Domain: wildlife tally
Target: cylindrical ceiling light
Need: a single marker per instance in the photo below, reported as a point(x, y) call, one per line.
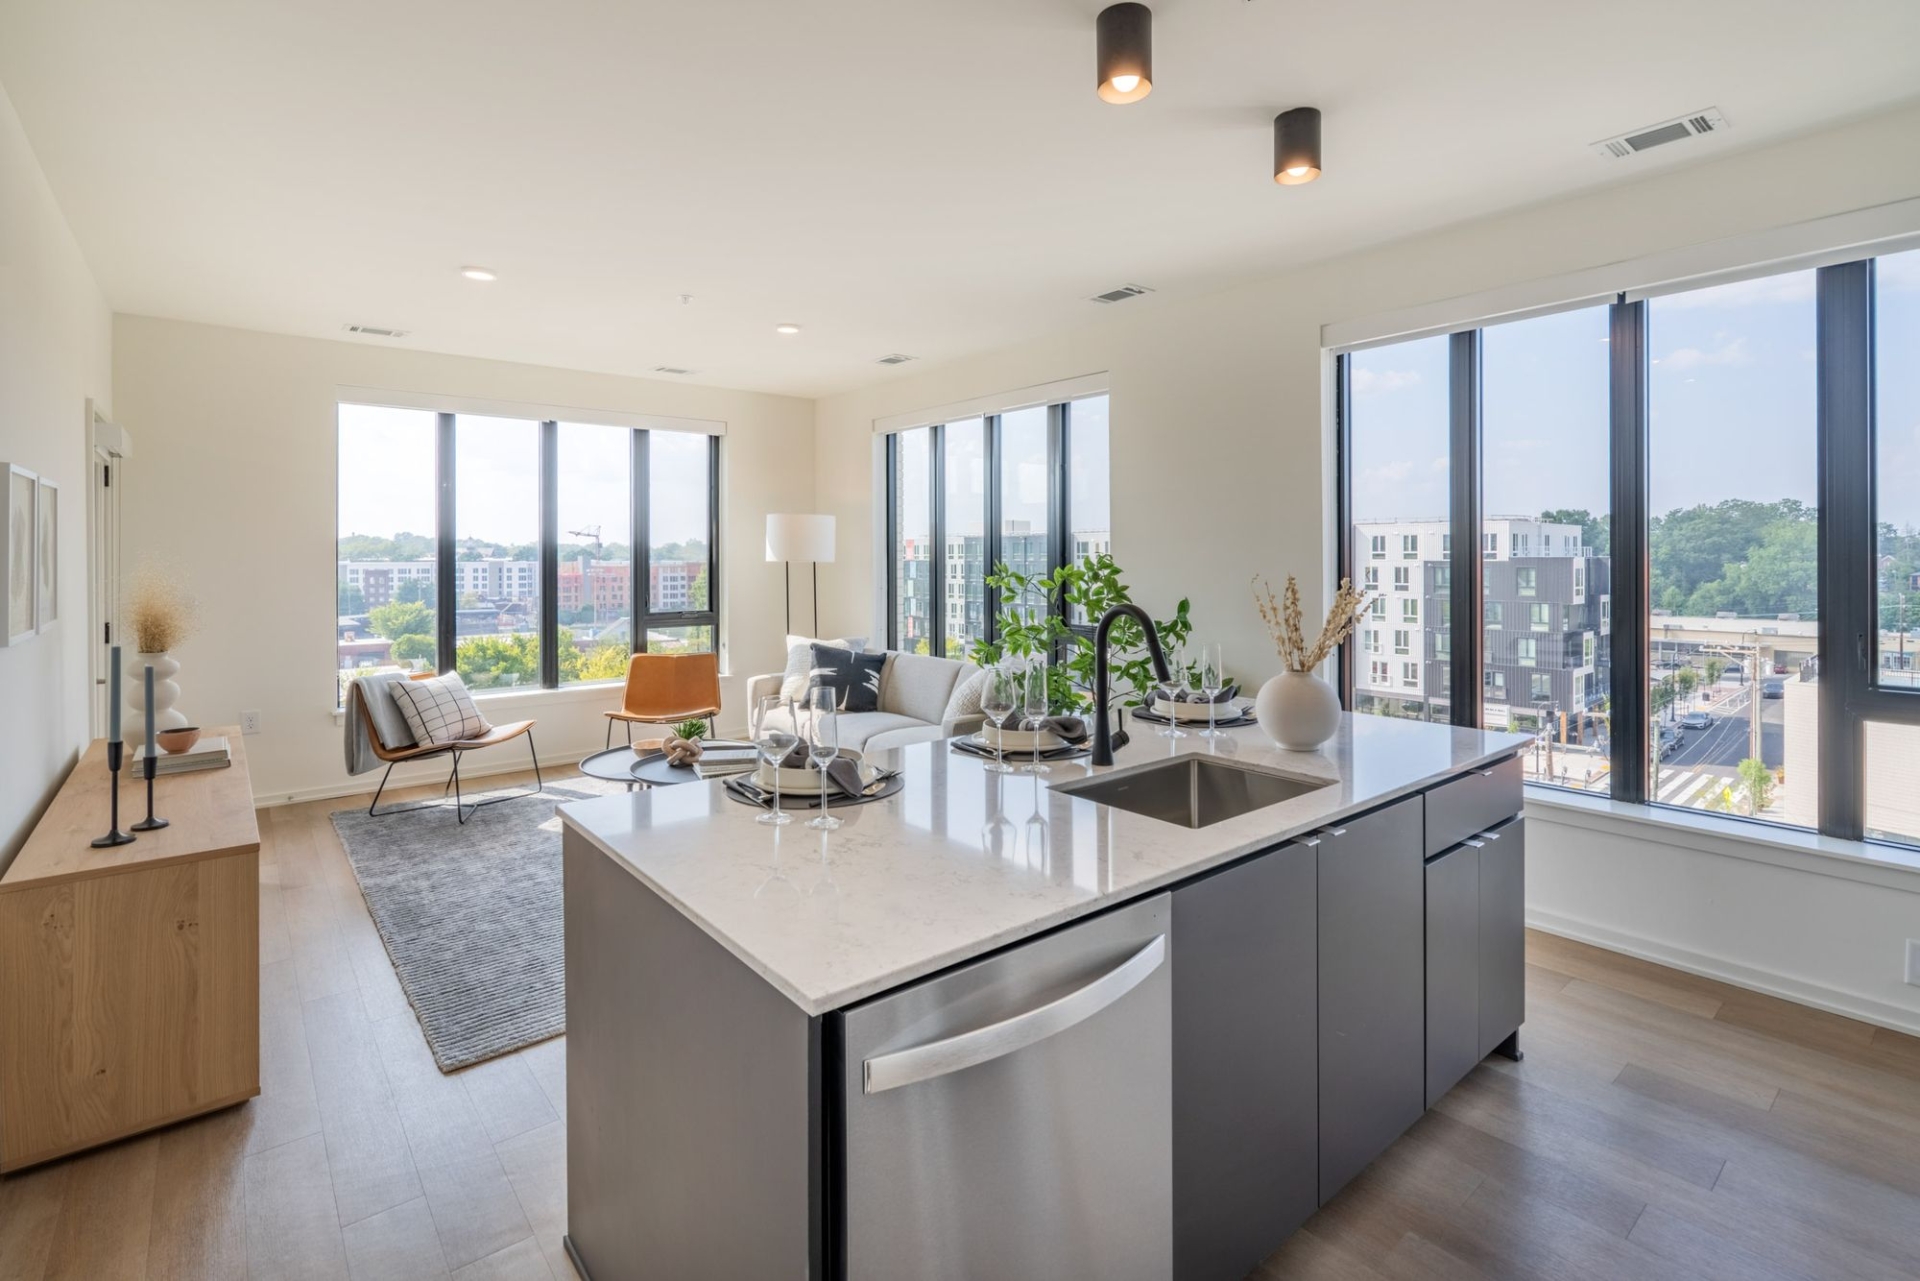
point(1296, 146)
point(1125, 52)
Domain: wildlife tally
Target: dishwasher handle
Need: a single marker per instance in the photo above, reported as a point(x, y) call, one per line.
point(938, 1058)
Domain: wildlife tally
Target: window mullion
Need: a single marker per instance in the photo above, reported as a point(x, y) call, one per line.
point(1345, 553)
point(892, 466)
point(990, 428)
point(1465, 633)
point(1846, 556)
point(937, 552)
point(549, 618)
point(446, 593)
point(641, 544)
point(1628, 723)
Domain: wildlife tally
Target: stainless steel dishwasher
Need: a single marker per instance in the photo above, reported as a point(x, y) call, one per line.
point(1012, 1119)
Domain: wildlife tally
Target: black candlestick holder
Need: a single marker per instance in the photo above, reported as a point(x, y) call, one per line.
point(148, 766)
point(114, 836)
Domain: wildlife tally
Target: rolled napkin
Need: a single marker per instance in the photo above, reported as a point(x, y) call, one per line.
point(1068, 729)
point(842, 771)
point(682, 751)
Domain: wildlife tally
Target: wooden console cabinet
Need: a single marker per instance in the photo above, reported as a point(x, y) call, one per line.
point(129, 977)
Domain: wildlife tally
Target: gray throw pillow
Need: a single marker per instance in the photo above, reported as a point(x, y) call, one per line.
point(853, 676)
point(793, 683)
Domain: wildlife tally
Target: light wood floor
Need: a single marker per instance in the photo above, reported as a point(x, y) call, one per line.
point(1662, 1126)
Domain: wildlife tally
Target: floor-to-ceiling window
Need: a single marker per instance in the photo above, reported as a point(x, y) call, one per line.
point(1399, 540)
point(1546, 541)
point(1733, 545)
point(1698, 549)
point(387, 540)
point(1023, 490)
point(502, 547)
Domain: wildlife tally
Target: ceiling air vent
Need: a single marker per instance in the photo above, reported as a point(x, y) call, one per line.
point(375, 331)
point(893, 358)
point(1687, 126)
point(1121, 294)
point(670, 369)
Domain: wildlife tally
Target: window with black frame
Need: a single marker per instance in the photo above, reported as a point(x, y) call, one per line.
point(1026, 489)
point(503, 548)
point(1733, 465)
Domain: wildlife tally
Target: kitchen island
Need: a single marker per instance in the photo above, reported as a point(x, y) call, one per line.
point(1136, 1021)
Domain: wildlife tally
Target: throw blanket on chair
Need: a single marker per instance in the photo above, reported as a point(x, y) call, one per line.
point(372, 692)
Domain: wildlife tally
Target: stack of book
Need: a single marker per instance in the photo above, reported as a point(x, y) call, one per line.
point(718, 761)
point(208, 753)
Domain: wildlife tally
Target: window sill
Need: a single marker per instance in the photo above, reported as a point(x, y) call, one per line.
point(582, 692)
point(1863, 861)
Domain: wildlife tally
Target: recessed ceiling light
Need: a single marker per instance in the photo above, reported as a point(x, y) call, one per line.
point(786, 329)
point(477, 273)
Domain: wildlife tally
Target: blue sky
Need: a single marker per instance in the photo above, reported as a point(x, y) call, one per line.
point(1732, 400)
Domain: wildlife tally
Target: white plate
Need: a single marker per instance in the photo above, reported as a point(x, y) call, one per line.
point(1017, 740)
point(1186, 712)
point(808, 779)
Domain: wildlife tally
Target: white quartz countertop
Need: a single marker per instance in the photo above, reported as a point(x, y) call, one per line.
point(962, 861)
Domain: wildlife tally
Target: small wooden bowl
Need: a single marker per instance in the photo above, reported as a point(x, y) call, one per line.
point(178, 740)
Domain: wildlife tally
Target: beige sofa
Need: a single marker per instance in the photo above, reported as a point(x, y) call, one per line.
point(921, 700)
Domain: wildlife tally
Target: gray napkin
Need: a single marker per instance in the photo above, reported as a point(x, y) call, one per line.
point(1226, 695)
point(842, 772)
point(1069, 729)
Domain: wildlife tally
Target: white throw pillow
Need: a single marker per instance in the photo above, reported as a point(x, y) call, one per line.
point(793, 683)
point(965, 700)
point(439, 710)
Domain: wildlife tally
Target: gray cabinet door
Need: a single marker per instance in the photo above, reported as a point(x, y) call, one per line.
point(1372, 988)
point(1503, 933)
point(1453, 969)
point(1245, 1117)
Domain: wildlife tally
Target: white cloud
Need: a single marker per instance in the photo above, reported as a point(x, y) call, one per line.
point(1390, 473)
point(1898, 271)
point(1730, 351)
point(1368, 381)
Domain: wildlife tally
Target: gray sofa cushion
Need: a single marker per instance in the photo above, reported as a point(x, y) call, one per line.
point(918, 686)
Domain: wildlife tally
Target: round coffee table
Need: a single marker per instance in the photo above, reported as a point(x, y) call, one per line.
point(623, 765)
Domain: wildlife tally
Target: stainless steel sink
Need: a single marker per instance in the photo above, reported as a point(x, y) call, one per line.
point(1192, 791)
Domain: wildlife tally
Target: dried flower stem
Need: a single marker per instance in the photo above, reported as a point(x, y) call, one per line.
point(1282, 619)
point(159, 612)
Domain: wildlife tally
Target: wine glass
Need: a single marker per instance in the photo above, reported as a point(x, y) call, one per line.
point(1034, 706)
point(775, 734)
point(997, 700)
point(1173, 687)
point(823, 744)
point(1213, 679)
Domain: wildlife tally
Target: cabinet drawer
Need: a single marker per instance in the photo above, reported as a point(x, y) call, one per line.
point(1471, 804)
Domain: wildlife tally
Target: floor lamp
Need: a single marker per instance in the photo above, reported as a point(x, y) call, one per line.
point(799, 537)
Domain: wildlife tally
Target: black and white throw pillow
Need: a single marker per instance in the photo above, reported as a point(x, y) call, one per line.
point(439, 710)
point(853, 676)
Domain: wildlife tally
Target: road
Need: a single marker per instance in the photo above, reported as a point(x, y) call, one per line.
point(1729, 741)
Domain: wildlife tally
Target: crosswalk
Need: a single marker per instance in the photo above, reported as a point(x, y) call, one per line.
point(1700, 790)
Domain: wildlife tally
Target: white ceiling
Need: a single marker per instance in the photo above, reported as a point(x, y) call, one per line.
point(928, 176)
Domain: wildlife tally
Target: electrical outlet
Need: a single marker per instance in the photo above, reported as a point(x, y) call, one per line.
point(1913, 962)
point(249, 722)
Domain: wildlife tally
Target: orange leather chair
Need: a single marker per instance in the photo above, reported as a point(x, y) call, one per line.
point(663, 689)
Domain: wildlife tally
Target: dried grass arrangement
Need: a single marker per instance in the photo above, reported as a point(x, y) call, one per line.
point(159, 612)
point(1282, 618)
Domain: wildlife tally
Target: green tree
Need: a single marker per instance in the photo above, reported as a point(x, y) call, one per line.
point(1661, 696)
point(401, 618)
point(487, 662)
point(1714, 667)
point(1756, 559)
point(1685, 681)
point(416, 649)
point(1757, 780)
point(1595, 531)
point(414, 591)
point(352, 600)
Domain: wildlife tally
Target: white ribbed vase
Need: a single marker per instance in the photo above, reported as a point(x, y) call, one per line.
point(1297, 710)
point(166, 692)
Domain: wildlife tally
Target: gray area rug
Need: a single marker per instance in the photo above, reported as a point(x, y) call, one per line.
point(472, 916)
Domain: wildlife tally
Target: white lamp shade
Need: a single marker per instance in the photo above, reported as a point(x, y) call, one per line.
point(798, 537)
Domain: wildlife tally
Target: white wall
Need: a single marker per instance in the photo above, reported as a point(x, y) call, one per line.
point(1231, 386)
point(55, 342)
point(233, 480)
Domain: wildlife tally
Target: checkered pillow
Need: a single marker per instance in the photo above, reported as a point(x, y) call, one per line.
point(439, 710)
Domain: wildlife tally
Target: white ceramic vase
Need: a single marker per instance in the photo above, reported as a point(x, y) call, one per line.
point(1297, 710)
point(165, 693)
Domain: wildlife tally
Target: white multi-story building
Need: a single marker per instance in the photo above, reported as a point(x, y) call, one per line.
point(378, 581)
point(1544, 613)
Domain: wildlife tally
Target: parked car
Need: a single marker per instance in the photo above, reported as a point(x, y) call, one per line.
point(1668, 744)
point(1697, 720)
point(1771, 688)
point(1733, 672)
